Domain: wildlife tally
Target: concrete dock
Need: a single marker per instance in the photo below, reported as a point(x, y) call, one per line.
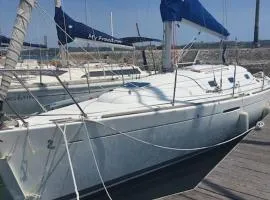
point(244, 174)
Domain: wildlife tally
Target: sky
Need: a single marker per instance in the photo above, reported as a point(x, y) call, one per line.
point(240, 18)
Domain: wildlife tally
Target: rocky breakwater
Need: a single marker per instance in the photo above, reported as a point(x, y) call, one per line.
point(254, 59)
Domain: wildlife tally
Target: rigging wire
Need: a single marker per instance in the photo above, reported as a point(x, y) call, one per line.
point(174, 63)
point(1, 52)
point(222, 43)
point(86, 12)
point(40, 50)
point(204, 21)
point(190, 101)
point(82, 48)
point(189, 45)
point(44, 12)
point(173, 148)
point(63, 131)
point(258, 126)
point(95, 159)
point(66, 46)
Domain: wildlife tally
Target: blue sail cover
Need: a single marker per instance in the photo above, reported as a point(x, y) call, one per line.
point(4, 42)
point(69, 29)
point(192, 11)
point(39, 46)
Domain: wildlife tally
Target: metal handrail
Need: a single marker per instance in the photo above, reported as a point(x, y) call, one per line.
point(18, 71)
point(73, 99)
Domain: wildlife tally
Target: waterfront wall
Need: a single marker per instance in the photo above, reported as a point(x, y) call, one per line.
point(254, 59)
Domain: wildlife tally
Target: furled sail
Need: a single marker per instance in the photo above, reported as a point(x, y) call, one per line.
point(15, 45)
point(69, 29)
point(192, 12)
point(4, 42)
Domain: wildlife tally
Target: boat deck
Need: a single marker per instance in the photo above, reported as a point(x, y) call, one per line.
point(243, 174)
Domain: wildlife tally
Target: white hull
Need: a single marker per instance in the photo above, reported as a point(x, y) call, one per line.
point(35, 161)
point(23, 103)
point(102, 77)
point(44, 171)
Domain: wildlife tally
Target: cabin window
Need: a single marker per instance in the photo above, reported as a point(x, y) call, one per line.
point(247, 76)
point(212, 83)
point(136, 84)
point(231, 79)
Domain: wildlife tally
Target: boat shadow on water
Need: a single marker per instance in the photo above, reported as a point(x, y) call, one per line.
point(174, 179)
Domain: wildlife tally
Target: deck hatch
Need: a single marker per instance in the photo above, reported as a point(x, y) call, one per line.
point(231, 79)
point(212, 83)
point(247, 76)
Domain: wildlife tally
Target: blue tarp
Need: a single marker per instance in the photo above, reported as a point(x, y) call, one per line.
point(192, 11)
point(69, 29)
point(4, 41)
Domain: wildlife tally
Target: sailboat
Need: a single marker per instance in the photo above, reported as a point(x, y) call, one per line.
point(4, 42)
point(143, 126)
point(84, 81)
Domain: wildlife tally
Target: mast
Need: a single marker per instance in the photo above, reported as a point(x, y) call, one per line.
point(58, 3)
point(112, 31)
point(257, 23)
point(46, 41)
point(167, 52)
point(19, 31)
point(86, 19)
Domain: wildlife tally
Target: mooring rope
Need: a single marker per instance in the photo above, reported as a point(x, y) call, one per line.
point(95, 159)
point(259, 125)
point(70, 161)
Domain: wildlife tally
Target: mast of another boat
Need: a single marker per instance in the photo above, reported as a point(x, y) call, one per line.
point(256, 42)
point(15, 46)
